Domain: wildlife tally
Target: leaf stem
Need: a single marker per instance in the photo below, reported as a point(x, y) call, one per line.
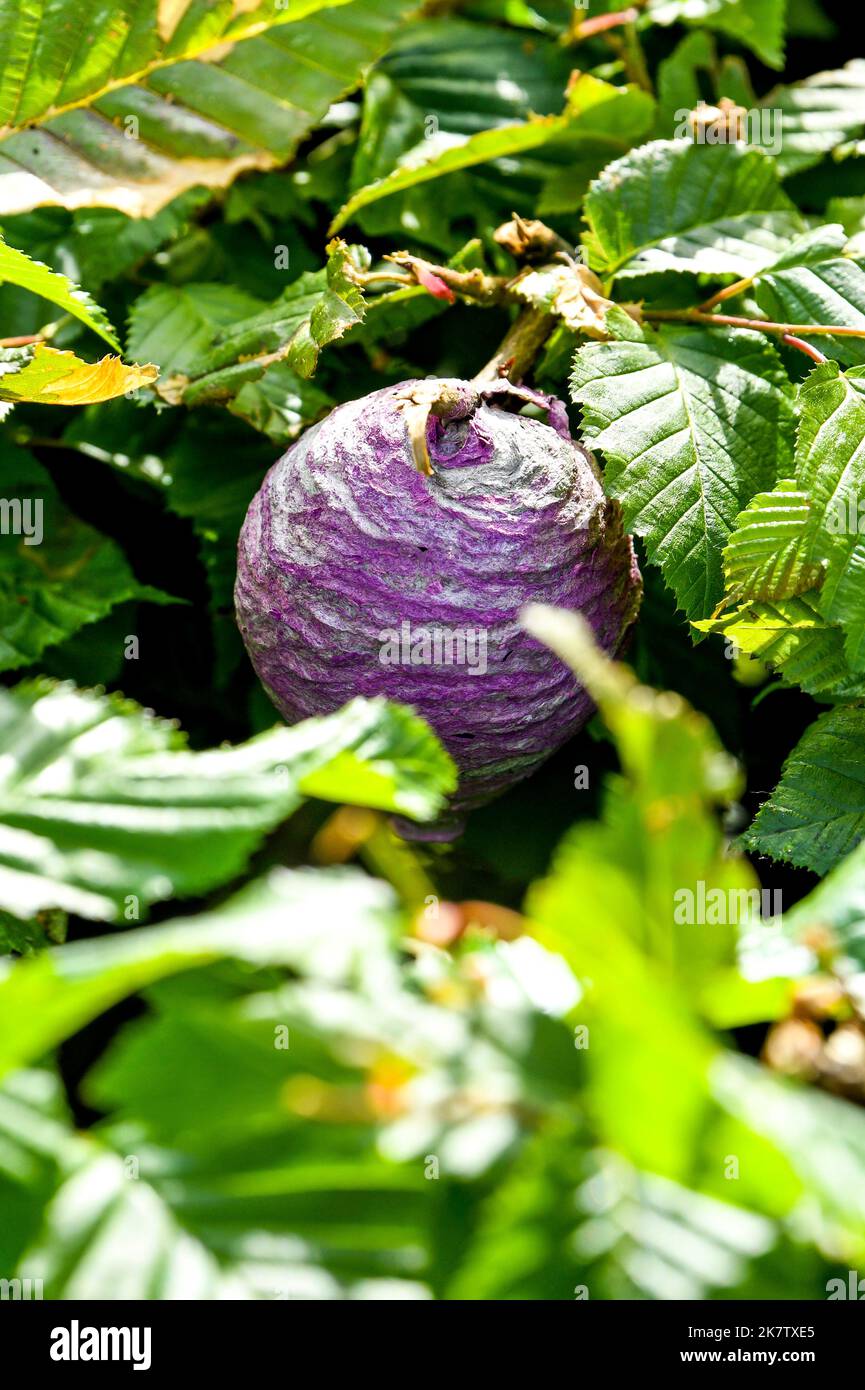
point(383, 277)
point(627, 45)
point(738, 288)
point(762, 325)
point(471, 284)
point(808, 348)
point(45, 334)
point(586, 28)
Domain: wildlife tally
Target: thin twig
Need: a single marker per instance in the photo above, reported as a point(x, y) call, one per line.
point(586, 28)
point(738, 288)
point(739, 321)
point(808, 348)
point(471, 284)
point(382, 277)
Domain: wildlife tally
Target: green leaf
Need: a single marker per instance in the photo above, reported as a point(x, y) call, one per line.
point(170, 96)
point(207, 471)
point(612, 906)
point(339, 1220)
point(105, 810)
point(833, 913)
point(829, 291)
point(425, 164)
point(806, 19)
point(16, 268)
point(335, 1211)
point(567, 1222)
point(57, 573)
point(816, 814)
point(316, 309)
point(327, 1235)
point(26, 938)
point(758, 24)
point(825, 930)
point(792, 637)
point(829, 469)
point(280, 404)
point(128, 43)
point(607, 906)
point(171, 324)
point(849, 212)
point(294, 1154)
point(764, 557)
point(804, 537)
point(105, 244)
point(210, 472)
point(657, 834)
point(677, 205)
point(692, 422)
point(333, 924)
point(822, 1136)
point(451, 76)
point(677, 79)
point(819, 114)
point(444, 81)
point(96, 1214)
point(323, 1217)
point(71, 1240)
point(432, 159)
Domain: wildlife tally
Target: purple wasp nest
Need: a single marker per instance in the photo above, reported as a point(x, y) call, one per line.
point(391, 549)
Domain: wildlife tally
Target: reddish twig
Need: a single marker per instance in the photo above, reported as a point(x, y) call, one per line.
point(585, 28)
point(808, 348)
point(727, 293)
point(739, 321)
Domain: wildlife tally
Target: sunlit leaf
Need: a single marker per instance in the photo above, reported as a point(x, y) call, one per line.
point(169, 96)
point(16, 268)
point(45, 376)
point(100, 801)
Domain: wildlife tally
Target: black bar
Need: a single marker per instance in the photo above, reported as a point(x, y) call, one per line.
point(261, 1336)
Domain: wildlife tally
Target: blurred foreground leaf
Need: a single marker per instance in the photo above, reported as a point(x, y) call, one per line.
point(105, 810)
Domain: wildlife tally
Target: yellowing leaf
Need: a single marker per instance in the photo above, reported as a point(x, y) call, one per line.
point(50, 377)
point(168, 15)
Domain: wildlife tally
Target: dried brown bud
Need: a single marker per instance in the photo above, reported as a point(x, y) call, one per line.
point(794, 1047)
point(817, 998)
point(719, 124)
point(527, 239)
point(842, 1066)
